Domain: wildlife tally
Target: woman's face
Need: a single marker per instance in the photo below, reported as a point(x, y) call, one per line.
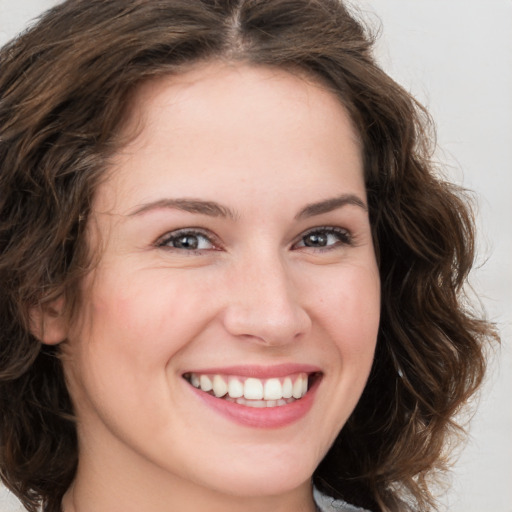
point(236, 253)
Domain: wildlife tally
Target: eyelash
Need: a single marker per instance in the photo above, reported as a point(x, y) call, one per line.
point(344, 239)
point(343, 235)
point(182, 233)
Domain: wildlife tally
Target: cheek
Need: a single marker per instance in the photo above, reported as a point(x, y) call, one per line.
point(118, 355)
point(350, 306)
point(143, 314)
point(125, 337)
point(351, 313)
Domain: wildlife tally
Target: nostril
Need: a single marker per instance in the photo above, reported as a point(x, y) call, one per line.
point(267, 324)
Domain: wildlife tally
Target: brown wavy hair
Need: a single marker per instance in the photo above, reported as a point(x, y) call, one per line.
point(65, 86)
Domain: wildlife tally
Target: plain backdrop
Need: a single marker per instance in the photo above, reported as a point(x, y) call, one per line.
point(455, 56)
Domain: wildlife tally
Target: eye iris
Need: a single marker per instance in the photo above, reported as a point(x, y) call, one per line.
point(315, 240)
point(186, 242)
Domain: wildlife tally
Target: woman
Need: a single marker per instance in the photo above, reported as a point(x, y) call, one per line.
point(229, 270)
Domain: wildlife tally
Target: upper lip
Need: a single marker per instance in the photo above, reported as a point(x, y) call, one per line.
point(259, 371)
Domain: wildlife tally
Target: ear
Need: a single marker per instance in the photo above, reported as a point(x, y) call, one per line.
point(48, 323)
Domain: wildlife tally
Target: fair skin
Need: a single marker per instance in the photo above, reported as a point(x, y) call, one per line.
point(234, 240)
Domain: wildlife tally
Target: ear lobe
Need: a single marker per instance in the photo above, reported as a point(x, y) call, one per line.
point(48, 322)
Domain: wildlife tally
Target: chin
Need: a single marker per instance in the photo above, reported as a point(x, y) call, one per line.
point(263, 476)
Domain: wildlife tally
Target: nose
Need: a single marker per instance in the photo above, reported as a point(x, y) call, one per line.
point(264, 304)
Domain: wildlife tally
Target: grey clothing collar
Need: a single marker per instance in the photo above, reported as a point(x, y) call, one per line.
point(327, 504)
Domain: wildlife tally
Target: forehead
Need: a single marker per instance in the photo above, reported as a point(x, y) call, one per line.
point(229, 86)
point(223, 120)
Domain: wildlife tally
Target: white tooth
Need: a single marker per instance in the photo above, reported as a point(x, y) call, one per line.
point(253, 389)
point(273, 390)
point(304, 384)
point(220, 388)
point(287, 388)
point(235, 388)
point(259, 404)
point(297, 387)
point(206, 383)
point(194, 380)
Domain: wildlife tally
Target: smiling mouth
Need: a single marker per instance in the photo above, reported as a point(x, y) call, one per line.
point(254, 392)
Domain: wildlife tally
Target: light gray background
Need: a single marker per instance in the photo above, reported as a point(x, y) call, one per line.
point(455, 56)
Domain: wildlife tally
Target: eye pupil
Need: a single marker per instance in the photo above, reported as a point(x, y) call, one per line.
point(186, 242)
point(315, 240)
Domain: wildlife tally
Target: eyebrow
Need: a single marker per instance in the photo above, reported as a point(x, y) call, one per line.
point(328, 205)
point(213, 209)
point(210, 208)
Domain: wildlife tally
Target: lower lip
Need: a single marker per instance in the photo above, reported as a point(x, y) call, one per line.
point(265, 417)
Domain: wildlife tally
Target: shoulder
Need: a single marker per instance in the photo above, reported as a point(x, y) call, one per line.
point(327, 504)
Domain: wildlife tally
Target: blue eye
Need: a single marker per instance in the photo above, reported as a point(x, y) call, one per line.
point(187, 240)
point(325, 238)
